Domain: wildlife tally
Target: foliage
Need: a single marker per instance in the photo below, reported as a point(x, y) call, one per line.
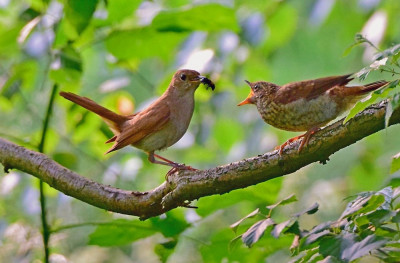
point(384, 61)
point(368, 226)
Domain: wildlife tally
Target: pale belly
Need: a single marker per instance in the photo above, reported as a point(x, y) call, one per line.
point(300, 115)
point(160, 140)
point(171, 133)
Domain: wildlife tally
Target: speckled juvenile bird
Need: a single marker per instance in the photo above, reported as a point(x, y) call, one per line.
point(305, 105)
point(158, 126)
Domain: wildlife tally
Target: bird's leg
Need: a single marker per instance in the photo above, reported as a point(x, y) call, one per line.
point(303, 143)
point(175, 166)
point(280, 147)
point(307, 137)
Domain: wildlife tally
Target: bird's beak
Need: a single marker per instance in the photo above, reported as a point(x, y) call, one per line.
point(206, 81)
point(250, 97)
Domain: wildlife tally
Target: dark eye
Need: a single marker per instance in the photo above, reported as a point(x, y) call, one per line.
point(256, 87)
point(183, 77)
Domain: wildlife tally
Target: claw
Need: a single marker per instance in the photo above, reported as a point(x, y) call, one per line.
point(179, 167)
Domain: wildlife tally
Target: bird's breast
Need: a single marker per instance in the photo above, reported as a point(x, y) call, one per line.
point(301, 114)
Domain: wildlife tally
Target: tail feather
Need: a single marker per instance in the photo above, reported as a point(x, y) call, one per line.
point(109, 116)
point(373, 86)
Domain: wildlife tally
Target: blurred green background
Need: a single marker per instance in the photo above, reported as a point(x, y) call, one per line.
point(122, 54)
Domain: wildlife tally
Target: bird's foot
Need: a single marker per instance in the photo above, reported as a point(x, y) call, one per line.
point(306, 137)
point(179, 167)
point(288, 142)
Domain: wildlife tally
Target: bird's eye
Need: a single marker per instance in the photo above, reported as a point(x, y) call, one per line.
point(183, 77)
point(256, 87)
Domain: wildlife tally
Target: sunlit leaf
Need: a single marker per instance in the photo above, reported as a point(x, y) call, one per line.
point(359, 249)
point(279, 228)
point(209, 17)
point(364, 205)
point(235, 225)
point(256, 231)
point(290, 199)
point(310, 239)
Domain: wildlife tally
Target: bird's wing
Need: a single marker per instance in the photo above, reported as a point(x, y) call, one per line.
point(146, 122)
point(309, 89)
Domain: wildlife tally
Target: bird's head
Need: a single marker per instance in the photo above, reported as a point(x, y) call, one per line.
point(186, 79)
point(259, 90)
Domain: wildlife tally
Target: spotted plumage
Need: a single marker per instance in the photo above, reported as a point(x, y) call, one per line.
point(306, 105)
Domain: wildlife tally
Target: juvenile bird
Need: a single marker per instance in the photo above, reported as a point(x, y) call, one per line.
point(158, 126)
point(305, 105)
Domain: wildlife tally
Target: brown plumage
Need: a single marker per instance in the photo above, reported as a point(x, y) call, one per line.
point(158, 126)
point(305, 105)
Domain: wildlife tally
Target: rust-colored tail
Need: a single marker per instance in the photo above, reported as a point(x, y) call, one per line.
point(360, 91)
point(373, 86)
point(113, 119)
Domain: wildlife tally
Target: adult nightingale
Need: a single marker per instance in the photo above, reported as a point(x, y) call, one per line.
point(305, 105)
point(158, 126)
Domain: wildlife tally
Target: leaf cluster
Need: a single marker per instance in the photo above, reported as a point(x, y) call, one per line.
point(384, 61)
point(369, 225)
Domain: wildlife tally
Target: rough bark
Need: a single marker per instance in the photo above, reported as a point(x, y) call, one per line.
point(185, 186)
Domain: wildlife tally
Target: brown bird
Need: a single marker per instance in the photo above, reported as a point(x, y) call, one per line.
point(305, 105)
point(158, 126)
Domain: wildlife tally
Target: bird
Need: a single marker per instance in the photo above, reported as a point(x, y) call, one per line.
point(306, 105)
point(158, 126)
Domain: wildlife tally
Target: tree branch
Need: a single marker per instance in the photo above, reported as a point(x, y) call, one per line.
point(185, 186)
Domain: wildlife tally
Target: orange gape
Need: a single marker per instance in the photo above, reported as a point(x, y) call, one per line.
point(305, 105)
point(158, 126)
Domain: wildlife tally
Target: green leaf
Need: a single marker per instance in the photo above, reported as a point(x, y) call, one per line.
point(121, 232)
point(365, 205)
point(233, 242)
point(279, 228)
point(390, 52)
point(331, 245)
point(142, 43)
point(118, 10)
point(256, 231)
point(330, 259)
point(235, 225)
point(66, 159)
point(165, 249)
point(79, 13)
point(209, 17)
point(70, 69)
point(310, 239)
point(389, 90)
point(171, 225)
point(362, 248)
point(290, 199)
point(311, 210)
point(395, 166)
point(358, 39)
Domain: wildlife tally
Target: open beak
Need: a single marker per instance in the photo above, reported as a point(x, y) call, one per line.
point(206, 81)
point(250, 97)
